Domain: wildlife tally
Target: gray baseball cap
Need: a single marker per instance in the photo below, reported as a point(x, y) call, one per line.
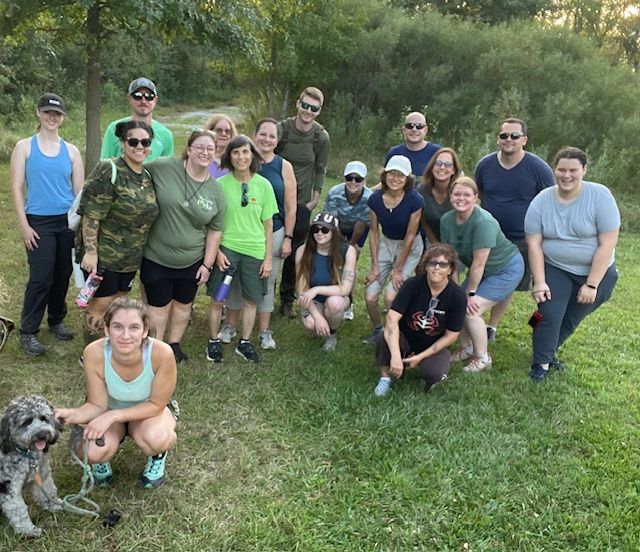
point(142, 82)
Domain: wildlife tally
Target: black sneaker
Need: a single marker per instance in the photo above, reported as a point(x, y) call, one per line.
point(247, 351)
point(538, 373)
point(180, 355)
point(62, 332)
point(557, 365)
point(214, 350)
point(31, 345)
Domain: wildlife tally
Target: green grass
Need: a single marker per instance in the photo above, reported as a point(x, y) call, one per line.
point(297, 453)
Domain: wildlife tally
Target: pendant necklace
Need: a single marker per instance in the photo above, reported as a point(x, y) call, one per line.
point(186, 201)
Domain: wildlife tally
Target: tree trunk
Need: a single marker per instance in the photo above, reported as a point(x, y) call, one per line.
point(93, 101)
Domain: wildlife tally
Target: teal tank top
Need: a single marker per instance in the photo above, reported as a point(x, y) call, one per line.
point(123, 394)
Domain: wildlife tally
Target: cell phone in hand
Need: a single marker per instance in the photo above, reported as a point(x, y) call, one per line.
point(535, 319)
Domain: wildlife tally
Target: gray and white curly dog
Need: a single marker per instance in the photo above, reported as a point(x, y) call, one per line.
point(27, 429)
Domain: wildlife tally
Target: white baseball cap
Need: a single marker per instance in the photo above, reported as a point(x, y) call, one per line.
point(356, 167)
point(399, 163)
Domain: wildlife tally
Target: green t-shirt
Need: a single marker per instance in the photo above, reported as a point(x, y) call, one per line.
point(479, 231)
point(243, 226)
point(433, 211)
point(126, 210)
point(161, 145)
point(187, 209)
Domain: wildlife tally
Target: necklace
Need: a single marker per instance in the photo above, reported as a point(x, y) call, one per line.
point(186, 201)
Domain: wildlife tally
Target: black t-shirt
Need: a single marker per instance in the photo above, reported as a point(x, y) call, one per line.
point(412, 302)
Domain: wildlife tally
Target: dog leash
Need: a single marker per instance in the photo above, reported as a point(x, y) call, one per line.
point(79, 503)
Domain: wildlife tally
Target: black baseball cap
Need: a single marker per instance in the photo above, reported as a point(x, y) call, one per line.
point(51, 102)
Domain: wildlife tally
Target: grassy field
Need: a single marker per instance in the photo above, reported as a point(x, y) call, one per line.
point(297, 453)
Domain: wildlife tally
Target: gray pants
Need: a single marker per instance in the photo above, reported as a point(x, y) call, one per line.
point(562, 314)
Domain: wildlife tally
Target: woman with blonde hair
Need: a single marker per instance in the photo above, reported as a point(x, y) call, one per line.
point(225, 130)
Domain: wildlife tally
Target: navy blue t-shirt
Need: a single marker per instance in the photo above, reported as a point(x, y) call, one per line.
point(394, 222)
point(419, 159)
point(506, 194)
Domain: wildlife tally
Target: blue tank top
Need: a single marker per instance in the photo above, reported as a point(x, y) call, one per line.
point(320, 274)
point(123, 394)
point(272, 171)
point(49, 187)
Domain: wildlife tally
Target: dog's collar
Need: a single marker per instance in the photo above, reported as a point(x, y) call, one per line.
point(25, 453)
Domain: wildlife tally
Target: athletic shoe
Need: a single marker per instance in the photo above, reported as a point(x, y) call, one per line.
point(491, 334)
point(349, 314)
point(102, 474)
point(31, 345)
point(557, 365)
point(383, 388)
point(266, 339)
point(247, 351)
point(538, 373)
point(62, 332)
point(371, 339)
point(153, 474)
point(461, 354)
point(478, 365)
point(330, 343)
point(178, 353)
point(226, 333)
point(214, 350)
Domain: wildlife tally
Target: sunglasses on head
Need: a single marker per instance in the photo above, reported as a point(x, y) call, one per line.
point(354, 178)
point(322, 229)
point(133, 142)
point(244, 200)
point(309, 107)
point(512, 135)
point(414, 126)
point(139, 96)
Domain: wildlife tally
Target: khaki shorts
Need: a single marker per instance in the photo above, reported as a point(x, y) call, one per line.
point(388, 252)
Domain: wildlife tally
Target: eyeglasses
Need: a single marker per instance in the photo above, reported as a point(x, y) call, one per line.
point(431, 310)
point(414, 126)
point(222, 131)
point(445, 164)
point(353, 178)
point(133, 142)
point(202, 149)
point(322, 229)
point(438, 264)
point(309, 107)
point(512, 135)
point(244, 201)
point(139, 96)
point(6, 327)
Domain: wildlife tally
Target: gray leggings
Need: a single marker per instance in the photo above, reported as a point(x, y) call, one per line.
point(562, 315)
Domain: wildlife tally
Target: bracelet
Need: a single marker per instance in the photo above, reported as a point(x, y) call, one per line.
point(288, 236)
point(209, 269)
point(590, 286)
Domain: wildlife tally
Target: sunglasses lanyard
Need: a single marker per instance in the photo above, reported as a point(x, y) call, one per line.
point(186, 201)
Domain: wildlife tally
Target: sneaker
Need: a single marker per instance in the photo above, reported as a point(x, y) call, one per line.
point(461, 354)
point(538, 373)
point(31, 345)
point(266, 339)
point(557, 365)
point(383, 388)
point(102, 474)
point(180, 355)
point(62, 332)
point(348, 314)
point(287, 310)
point(330, 343)
point(153, 474)
point(226, 333)
point(214, 350)
point(247, 351)
point(371, 339)
point(491, 334)
point(478, 365)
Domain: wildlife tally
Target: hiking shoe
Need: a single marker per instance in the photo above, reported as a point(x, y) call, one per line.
point(371, 339)
point(247, 351)
point(557, 365)
point(31, 345)
point(180, 355)
point(383, 388)
point(102, 474)
point(214, 350)
point(266, 339)
point(538, 373)
point(491, 334)
point(61, 331)
point(226, 333)
point(330, 343)
point(287, 310)
point(478, 365)
point(153, 474)
point(461, 354)
point(349, 314)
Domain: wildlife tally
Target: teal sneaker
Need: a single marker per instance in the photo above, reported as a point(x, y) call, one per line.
point(102, 474)
point(153, 474)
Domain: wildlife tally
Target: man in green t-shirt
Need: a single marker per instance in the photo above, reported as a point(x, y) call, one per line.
point(143, 98)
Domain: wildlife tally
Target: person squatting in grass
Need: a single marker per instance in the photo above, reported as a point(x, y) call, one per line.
point(325, 269)
point(425, 318)
point(116, 217)
point(572, 230)
point(52, 173)
point(130, 379)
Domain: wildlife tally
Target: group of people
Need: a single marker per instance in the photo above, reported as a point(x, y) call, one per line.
point(238, 212)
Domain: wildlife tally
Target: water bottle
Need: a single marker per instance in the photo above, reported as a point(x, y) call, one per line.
point(90, 287)
point(225, 285)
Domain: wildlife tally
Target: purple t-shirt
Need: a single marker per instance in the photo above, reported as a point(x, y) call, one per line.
point(394, 222)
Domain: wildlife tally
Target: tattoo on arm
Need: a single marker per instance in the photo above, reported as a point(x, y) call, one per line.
point(348, 275)
point(90, 229)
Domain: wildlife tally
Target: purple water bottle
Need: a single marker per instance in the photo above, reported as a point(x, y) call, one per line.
point(90, 286)
point(225, 285)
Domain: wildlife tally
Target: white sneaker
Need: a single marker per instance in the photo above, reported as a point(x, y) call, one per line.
point(348, 314)
point(226, 333)
point(266, 339)
point(330, 343)
point(383, 388)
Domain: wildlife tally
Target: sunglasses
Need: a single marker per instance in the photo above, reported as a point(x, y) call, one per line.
point(309, 107)
point(244, 200)
point(139, 96)
point(414, 126)
point(431, 310)
point(352, 178)
point(222, 131)
point(445, 164)
point(133, 142)
point(438, 264)
point(322, 229)
point(512, 135)
point(6, 327)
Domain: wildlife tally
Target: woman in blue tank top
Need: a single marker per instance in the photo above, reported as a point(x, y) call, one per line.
point(46, 174)
point(130, 380)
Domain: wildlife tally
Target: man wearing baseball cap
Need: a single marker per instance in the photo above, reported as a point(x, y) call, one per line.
point(143, 97)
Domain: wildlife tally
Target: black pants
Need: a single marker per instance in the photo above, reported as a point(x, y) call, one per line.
point(288, 280)
point(49, 272)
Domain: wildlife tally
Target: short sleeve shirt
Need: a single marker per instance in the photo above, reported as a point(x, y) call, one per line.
point(419, 159)
point(432, 211)
point(161, 144)
point(394, 222)
point(348, 213)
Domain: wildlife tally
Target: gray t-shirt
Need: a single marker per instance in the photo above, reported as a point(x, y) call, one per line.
point(570, 230)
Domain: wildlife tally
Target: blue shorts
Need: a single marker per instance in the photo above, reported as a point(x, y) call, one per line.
point(500, 285)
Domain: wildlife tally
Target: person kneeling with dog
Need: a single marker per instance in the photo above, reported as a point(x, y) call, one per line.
point(130, 380)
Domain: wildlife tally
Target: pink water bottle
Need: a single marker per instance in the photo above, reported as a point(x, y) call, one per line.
point(90, 286)
point(225, 285)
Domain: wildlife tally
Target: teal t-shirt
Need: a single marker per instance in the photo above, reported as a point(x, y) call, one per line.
point(161, 145)
point(243, 226)
point(479, 231)
point(187, 209)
